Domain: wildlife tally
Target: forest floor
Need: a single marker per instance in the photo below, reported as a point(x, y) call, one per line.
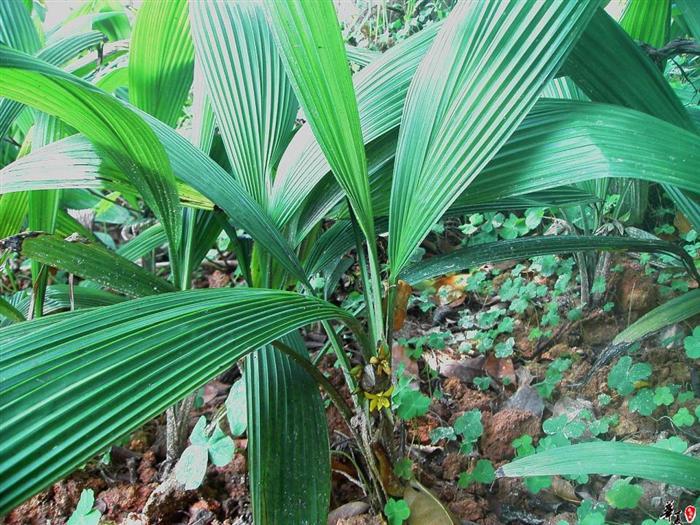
point(547, 353)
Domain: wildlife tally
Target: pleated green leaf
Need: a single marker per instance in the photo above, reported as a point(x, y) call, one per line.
point(648, 21)
point(13, 211)
point(252, 99)
point(74, 383)
point(66, 49)
point(144, 243)
point(480, 78)
point(90, 261)
point(288, 444)
point(198, 170)
point(565, 142)
point(16, 27)
point(564, 88)
point(609, 458)
point(559, 143)
point(9, 312)
point(76, 163)
point(161, 59)
point(629, 78)
point(691, 15)
point(493, 252)
point(18, 32)
point(361, 55)
point(58, 299)
point(43, 204)
point(105, 121)
point(312, 49)
point(69, 163)
point(674, 311)
point(381, 90)
point(57, 53)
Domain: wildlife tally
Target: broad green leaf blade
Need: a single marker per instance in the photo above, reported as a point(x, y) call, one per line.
point(312, 49)
point(90, 261)
point(18, 32)
point(249, 91)
point(648, 21)
point(74, 383)
point(62, 51)
point(381, 91)
point(57, 54)
point(58, 299)
point(9, 312)
point(361, 55)
point(198, 170)
point(284, 401)
point(629, 78)
point(144, 243)
point(609, 458)
point(525, 247)
point(105, 121)
point(556, 197)
point(480, 78)
point(674, 311)
point(75, 162)
point(564, 88)
point(13, 210)
point(691, 15)
point(161, 59)
point(16, 27)
point(43, 205)
point(563, 142)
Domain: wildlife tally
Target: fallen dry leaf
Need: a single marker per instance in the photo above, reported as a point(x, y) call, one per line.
point(500, 368)
point(403, 293)
point(426, 509)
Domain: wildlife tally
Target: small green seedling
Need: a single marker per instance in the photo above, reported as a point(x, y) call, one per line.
point(624, 495)
point(683, 418)
point(482, 383)
point(396, 511)
point(236, 408)
point(192, 466)
point(84, 514)
point(404, 468)
point(663, 396)
point(483, 472)
point(590, 513)
point(673, 443)
point(470, 428)
point(623, 376)
point(692, 344)
point(643, 402)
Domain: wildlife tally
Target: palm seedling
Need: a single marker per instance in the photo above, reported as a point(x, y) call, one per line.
point(449, 120)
